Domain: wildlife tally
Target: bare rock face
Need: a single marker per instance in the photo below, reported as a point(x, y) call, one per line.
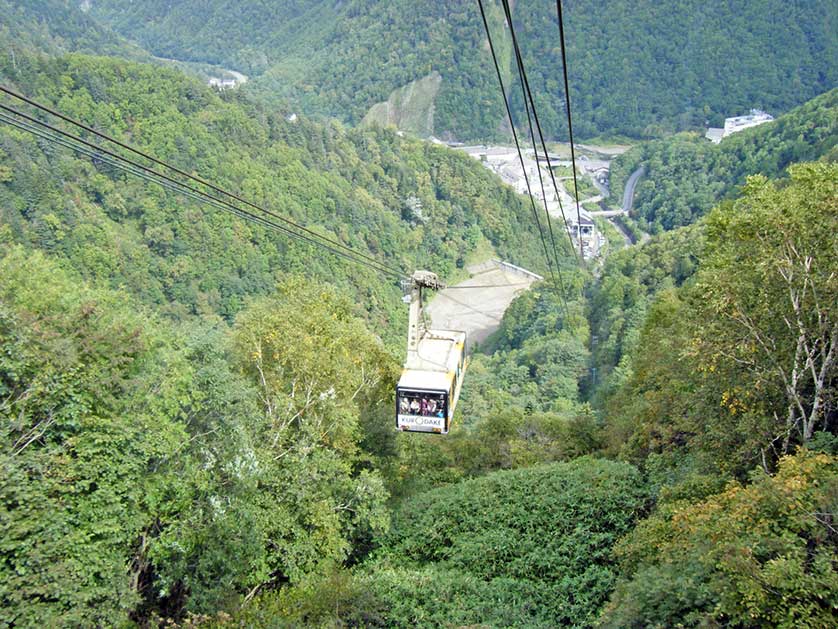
point(409, 108)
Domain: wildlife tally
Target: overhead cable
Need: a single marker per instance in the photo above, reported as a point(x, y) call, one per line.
point(569, 121)
point(529, 97)
point(175, 169)
point(101, 157)
point(78, 144)
point(517, 143)
point(529, 103)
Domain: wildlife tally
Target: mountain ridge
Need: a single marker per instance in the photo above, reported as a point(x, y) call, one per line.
point(701, 60)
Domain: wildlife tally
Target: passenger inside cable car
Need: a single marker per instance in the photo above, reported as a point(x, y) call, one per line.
point(430, 384)
point(425, 411)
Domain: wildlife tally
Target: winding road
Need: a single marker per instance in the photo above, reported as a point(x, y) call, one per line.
point(628, 201)
point(631, 184)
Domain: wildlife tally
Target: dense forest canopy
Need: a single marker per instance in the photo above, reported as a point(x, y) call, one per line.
point(353, 185)
point(636, 68)
point(196, 413)
point(59, 26)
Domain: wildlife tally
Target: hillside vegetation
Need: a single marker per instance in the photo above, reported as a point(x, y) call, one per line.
point(196, 414)
point(686, 175)
point(57, 26)
point(358, 187)
point(635, 68)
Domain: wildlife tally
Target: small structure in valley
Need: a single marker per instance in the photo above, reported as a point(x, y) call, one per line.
point(738, 123)
point(584, 233)
point(505, 162)
point(222, 84)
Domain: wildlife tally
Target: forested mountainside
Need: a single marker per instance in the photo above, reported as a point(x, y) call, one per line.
point(686, 175)
point(59, 26)
point(709, 375)
point(619, 303)
point(154, 469)
point(196, 414)
point(636, 68)
point(404, 202)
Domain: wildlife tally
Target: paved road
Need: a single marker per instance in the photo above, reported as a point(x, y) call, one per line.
point(477, 305)
point(606, 213)
point(628, 196)
point(631, 184)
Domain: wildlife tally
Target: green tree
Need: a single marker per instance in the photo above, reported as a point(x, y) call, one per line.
point(80, 432)
point(317, 370)
point(739, 364)
point(758, 555)
point(768, 301)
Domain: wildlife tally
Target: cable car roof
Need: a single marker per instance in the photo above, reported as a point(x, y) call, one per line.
point(438, 350)
point(425, 380)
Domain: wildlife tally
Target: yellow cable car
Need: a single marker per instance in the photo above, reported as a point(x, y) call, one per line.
point(430, 384)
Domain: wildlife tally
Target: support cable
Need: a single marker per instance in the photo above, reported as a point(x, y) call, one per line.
point(100, 157)
point(529, 96)
point(54, 134)
point(215, 188)
point(526, 93)
point(569, 122)
point(517, 144)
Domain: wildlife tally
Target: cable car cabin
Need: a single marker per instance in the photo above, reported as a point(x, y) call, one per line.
point(429, 388)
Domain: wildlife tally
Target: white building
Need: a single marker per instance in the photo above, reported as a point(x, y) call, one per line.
point(738, 123)
point(582, 229)
point(222, 84)
point(756, 117)
point(715, 134)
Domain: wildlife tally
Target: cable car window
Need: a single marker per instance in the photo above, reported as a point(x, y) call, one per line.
point(422, 411)
point(422, 403)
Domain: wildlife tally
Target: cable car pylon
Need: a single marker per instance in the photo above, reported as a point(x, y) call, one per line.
point(430, 384)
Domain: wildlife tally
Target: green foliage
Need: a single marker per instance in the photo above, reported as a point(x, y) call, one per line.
point(528, 547)
point(333, 599)
point(686, 175)
point(751, 556)
point(146, 477)
point(503, 439)
point(204, 545)
point(57, 26)
point(80, 433)
point(767, 300)
point(740, 364)
point(317, 370)
point(189, 259)
point(538, 355)
point(700, 60)
point(619, 301)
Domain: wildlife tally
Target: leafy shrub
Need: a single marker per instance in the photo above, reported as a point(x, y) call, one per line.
point(761, 555)
point(529, 547)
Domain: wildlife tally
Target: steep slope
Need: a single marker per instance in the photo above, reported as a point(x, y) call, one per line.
point(685, 177)
point(635, 67)
point(358, 187)
point(57, 26)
